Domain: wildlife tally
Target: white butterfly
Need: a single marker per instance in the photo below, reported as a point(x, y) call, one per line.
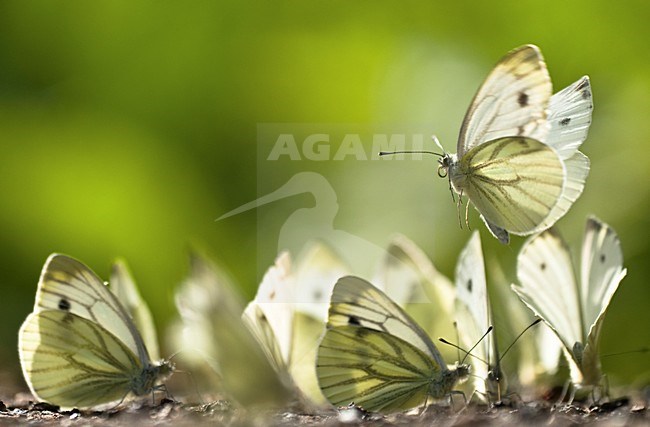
point(517, 158)
point(375, 355)
point(211, 315)
point(289, 311)
point(80, 347)
point(574, 309)
point(474, 317)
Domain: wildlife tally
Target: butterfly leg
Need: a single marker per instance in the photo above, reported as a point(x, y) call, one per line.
point(565, 390)
point(458, 206)
point(451, 398)
point(467, 215)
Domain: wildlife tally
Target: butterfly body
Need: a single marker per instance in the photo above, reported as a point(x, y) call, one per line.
point(79, 347)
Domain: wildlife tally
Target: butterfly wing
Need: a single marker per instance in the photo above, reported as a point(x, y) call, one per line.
point(602, 271)
point(317, 269)
point(547, 285)
point(71, 361)
point(123, 287)
point(472, 308)
point(67, 284)
point(373, 369)
point(272, 310)
point(356, 301)
point(569, 117)
point(374, 354)
point(514, 182)
point(211, 313)
point(512, 101)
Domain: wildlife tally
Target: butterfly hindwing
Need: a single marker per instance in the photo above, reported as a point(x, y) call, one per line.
point(74, 362)
point(355, 362)
point(514, 182)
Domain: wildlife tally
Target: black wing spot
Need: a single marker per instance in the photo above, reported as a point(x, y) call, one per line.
point(354, 320)
point(521, 130)
point(469, 285)
point(565, 121)
point(317, 295)
point(543, 266)
point(586, 94)
point(522, 100)
point(64, 304)
point(602, 258)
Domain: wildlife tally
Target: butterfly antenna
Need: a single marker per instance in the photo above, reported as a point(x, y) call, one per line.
point(517, 338)
point(390, 153)
point(467, 353)
point(478, 342)
point(620, 353)
point(455, 324)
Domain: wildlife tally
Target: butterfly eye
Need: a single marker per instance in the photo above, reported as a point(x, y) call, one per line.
point(442, 171)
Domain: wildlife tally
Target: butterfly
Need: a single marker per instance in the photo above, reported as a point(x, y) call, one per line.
point(474, 317)
point(517, 155)
point(374, 354)
point(79, 347)
point(573, 306)
point(289, 311)
point(210, 310)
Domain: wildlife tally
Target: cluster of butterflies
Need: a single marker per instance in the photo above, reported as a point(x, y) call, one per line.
point(314, 333)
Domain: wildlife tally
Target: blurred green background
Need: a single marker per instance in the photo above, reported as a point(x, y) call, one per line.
point(127, 129)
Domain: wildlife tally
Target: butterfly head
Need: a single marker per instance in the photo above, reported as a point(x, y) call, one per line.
point(496, 382)
point(152, 374)
point(444, 163)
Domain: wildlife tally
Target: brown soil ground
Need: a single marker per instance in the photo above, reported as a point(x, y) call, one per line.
point(623, 412)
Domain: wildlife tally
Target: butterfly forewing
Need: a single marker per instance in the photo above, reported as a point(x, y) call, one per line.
point(511, 102)
point(514, 182)
point(357, 302)
point(547, 285)
point(473, 307)
point(602, 271)
point(69, 286)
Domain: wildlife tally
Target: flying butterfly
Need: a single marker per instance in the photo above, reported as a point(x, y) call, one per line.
point(79, 348)
point(573, 306)
point(374, 354)
point(517, 158)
